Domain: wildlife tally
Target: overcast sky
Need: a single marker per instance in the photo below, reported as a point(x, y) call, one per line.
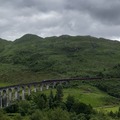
point(100, 18)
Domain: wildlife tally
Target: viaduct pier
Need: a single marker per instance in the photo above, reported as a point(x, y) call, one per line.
point(9, 94)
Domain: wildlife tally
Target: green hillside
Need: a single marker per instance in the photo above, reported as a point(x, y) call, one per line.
point(89, 95)
point(32, 58)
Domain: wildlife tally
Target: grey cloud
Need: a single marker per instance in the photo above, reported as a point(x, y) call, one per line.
point(99, 18)
point(41, 5)
point(106, 11)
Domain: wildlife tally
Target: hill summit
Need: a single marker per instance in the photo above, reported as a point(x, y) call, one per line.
point(28, 38)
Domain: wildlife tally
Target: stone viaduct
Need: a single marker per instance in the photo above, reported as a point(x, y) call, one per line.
point(9, 94)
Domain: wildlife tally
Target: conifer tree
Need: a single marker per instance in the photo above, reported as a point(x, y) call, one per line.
point(51, 99)
point(59, 94)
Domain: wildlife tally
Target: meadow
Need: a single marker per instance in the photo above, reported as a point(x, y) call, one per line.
point(90, 95)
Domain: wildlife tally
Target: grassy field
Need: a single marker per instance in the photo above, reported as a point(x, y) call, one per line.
point(4, 84)
point(107, 109)
point(91, 95)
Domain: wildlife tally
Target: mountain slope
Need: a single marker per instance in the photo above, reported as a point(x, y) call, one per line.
point(53, 57)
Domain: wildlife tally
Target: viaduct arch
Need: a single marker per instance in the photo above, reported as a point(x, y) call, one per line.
point(17, 92)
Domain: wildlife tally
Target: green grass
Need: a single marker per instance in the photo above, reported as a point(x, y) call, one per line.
point(4, 84)
point(89, 95)
point(108, 109)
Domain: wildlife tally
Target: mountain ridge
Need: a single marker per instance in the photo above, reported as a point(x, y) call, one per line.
point(64, 35)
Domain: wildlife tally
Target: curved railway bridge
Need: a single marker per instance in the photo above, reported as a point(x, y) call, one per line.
point(9, 94)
